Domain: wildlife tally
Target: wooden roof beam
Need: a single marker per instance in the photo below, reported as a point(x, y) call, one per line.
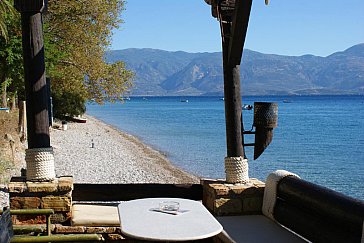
point(238, 30)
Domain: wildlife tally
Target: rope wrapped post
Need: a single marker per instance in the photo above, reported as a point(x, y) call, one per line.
point(233, 17)
point(237, 170)
point(39, 157)
point(40, 164)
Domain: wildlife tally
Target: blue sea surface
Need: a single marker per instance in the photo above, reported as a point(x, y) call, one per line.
point(320, 138)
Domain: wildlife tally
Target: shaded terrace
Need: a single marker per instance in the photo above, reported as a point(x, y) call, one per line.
point(88, 210)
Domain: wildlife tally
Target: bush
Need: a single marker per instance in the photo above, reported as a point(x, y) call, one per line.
point(68, 104)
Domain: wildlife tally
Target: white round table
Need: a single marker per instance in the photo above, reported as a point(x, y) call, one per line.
point(194, 222)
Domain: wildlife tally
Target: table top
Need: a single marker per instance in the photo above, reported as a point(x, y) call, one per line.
point(193, 222)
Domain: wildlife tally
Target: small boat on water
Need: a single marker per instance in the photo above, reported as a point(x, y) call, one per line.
point(287, 101)
point(186, 101)
point(247, 107)
point(79, 119)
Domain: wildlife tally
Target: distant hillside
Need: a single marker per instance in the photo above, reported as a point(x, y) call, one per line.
point(161, 72)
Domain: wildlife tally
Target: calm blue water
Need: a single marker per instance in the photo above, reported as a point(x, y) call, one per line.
point(321, 138)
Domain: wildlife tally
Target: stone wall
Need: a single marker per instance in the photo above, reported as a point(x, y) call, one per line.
point(56, 195)
point(222, 198)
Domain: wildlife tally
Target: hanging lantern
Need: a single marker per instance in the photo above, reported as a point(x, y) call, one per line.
point(265, 120)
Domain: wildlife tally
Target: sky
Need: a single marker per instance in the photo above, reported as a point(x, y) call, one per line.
point(285, 27)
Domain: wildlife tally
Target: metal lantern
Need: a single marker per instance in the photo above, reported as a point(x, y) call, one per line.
point(265, 120)
point(265, 114)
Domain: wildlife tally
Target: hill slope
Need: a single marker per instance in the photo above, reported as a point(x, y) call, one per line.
point(161, 72)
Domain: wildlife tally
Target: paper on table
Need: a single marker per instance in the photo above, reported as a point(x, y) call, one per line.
point(178, 212)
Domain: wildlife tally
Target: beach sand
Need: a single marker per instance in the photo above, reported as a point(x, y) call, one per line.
point(116, 157)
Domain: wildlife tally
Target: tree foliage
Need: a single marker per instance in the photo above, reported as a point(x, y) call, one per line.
point(6, 8)
point(11, 59)
point(77, 34)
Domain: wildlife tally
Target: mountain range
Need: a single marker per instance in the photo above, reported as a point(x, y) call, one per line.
point(162, 73)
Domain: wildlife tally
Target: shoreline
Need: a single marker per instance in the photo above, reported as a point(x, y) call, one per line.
point(117, 157)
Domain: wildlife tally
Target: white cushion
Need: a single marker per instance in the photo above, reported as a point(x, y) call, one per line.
point(256, 228)
point(94, 215)
point(270, 191)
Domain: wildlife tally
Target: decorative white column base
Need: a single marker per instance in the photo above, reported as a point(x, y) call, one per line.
point(40, 164)
point(236, 169)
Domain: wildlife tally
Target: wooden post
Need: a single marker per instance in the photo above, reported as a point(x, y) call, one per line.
point(233, 17)
point(24, 134)
point(232, 97)
point(50, 110)
point(34, 72)
point(233, 29)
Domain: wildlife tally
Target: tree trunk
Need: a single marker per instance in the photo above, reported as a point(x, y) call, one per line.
point(22, 124)
point(4, 102)
point(13, 102)
point(21, 116)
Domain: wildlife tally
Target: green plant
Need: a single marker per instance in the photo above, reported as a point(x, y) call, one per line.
point(68, 104)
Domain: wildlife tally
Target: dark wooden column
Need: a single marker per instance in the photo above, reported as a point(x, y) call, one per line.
point(233, 29)
point(34, 72)
point(232, 97)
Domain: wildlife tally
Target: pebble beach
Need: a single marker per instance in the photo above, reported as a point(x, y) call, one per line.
point(94, 152)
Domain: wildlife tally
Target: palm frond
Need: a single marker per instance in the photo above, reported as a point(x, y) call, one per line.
point(3, 29)
point(6, 8)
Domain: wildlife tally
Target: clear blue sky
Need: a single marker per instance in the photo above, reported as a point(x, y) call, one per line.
point(288, 27)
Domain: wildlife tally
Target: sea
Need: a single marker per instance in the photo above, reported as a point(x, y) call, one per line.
point(320, 138)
